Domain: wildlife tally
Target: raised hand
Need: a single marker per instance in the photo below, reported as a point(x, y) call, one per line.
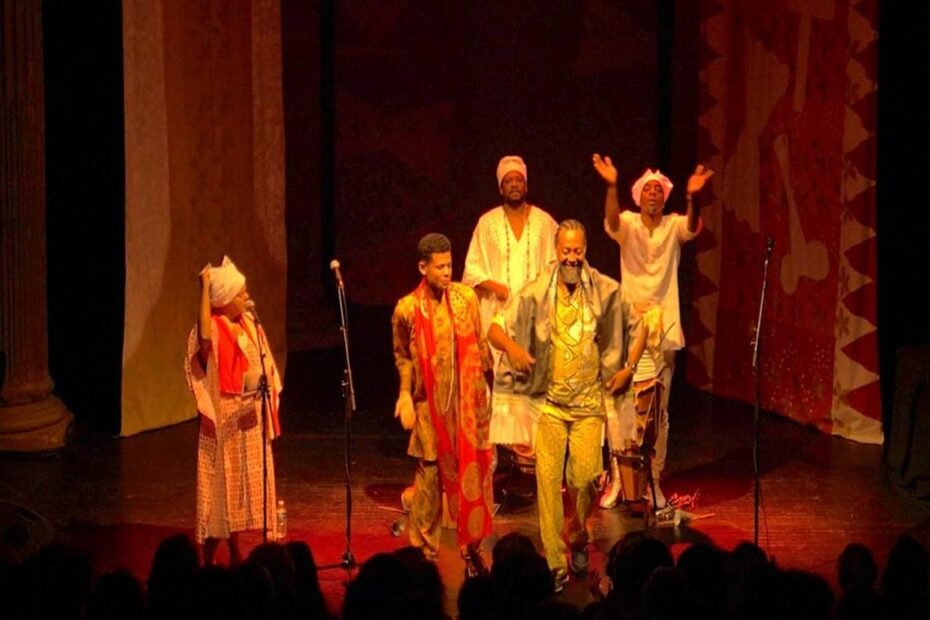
point(699, 178)
point(605, 168)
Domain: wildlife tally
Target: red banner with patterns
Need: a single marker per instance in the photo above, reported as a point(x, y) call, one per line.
point(787, 119)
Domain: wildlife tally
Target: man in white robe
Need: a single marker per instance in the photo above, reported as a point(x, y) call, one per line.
point(510, 246)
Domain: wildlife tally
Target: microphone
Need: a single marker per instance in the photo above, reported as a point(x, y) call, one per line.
point(334, 265)
point(250, 308)
point(769, 244)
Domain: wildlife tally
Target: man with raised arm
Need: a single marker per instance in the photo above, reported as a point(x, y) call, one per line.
point(650, 251)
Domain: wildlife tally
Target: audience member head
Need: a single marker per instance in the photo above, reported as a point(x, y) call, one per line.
point(275, 559)
point(525, 584)
point(256, 591)
point(704, 566)
point(216, 594)
point(478, 598)
point(509, 553)
point(802, 595)
point(630, 563)
point(751, 580)
point(423, 596)
point(859, 602)
point(310, 600)
point(668, 594)
point(117, 596)
point(171, 580)
point(906, 577)
point(376, 593)
point(53, 583)
point(856, 567)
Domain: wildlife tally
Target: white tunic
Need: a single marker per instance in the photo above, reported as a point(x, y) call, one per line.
point(649, 266)
point(496, 254)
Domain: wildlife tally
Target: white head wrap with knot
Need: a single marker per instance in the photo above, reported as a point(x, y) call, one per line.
point(509, 163)
point(651, 175)
point(226, 281)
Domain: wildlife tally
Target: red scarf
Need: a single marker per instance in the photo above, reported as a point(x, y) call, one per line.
point(232, 362)
point(465, 469)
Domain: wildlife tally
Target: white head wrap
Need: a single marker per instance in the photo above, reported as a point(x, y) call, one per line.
point(226, 281)
point(509, 163)
point(651, 175)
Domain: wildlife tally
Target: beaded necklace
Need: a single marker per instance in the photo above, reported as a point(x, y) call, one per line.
point(445, 298)
point(507, 231)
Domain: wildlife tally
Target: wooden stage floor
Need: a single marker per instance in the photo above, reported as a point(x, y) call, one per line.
point(117, 498)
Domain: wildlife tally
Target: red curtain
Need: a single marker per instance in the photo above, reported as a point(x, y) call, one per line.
point(788, 121)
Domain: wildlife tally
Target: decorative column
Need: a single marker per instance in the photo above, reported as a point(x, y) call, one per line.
point(31, 419)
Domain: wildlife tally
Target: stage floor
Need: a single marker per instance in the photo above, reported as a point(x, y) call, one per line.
point(118, 498)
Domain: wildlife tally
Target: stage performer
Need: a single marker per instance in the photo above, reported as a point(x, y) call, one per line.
point(563, 336)
point(224, 371)
point(442, 357)
point(510, 245)
point(650, 251)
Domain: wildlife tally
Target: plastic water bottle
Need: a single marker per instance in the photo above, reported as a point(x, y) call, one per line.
point(280, 532)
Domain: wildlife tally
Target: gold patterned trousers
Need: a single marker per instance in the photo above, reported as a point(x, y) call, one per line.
point(426, 509)
point(581, 434)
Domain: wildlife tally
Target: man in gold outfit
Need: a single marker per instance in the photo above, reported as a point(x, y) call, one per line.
point(563, 336)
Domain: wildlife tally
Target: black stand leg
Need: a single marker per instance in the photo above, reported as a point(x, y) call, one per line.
point(645, 459)
point(348, 561)
point(757, 477)
point(265, 394)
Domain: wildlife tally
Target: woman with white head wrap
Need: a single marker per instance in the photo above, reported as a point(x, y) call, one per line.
point(650, 251)
point(224, 367)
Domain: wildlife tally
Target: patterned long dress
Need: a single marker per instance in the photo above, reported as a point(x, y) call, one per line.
point(229, 445)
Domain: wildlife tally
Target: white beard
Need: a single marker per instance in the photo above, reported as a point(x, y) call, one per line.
point(570, 275)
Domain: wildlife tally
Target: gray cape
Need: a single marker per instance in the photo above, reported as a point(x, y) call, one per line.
point(527, 322)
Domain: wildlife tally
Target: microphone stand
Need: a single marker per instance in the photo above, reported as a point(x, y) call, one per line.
point(757, 488)
point(265, 394)
point(348, 561)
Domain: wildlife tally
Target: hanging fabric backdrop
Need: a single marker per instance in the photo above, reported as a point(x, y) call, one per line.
point(204, 176)
point(428, 101)
point(788, 118)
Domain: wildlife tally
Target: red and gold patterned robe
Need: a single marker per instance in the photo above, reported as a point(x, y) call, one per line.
point(441, 356)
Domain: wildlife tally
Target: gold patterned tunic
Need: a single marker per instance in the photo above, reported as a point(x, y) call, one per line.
point(575, 360)
point(406, 353)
